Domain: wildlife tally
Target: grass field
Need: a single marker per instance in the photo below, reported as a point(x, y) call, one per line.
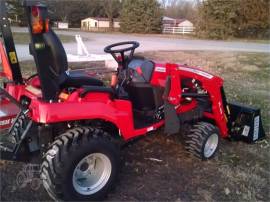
point(23, 38)
point(240, 171)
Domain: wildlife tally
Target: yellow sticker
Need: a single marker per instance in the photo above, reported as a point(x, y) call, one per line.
point(13, 57)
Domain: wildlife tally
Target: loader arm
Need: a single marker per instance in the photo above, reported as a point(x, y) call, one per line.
point(211, 92)
point(233, 120)
point(9, 57)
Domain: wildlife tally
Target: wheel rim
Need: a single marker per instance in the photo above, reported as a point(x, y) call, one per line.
point(91, 173)
point(211, 145)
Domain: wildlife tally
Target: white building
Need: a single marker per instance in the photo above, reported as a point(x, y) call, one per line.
point(177, 26)
point(62, 25)
point(99, 24)
point(176, 22)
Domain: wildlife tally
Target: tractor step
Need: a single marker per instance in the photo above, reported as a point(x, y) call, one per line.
point(10, 143)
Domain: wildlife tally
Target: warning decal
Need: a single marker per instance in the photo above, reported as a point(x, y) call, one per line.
point(13, 57)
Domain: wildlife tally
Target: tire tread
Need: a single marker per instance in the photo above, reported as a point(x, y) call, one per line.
point(197, 136)
point(57, 154)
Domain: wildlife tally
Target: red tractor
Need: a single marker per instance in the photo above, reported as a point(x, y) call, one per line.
point(77, 125)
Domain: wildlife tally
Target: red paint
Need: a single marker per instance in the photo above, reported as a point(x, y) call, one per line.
point(5, 63)
point(34, 82)
point(212, 85)
point(35, 11)
point(8, 112)
point(119, 112)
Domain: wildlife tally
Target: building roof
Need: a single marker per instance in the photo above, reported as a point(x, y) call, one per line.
point(101, 19)
point(168, 20)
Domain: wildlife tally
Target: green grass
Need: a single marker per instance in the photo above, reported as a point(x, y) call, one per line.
point(251, 87)
point(23, 38)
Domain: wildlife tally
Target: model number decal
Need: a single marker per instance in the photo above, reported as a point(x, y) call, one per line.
point(256, 128)
point(246, 131)
point(160, 69)
point(196, 71)
point(7, 121)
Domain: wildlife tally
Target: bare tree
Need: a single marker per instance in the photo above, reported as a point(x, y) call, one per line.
point(180, 9)
point(112, 9)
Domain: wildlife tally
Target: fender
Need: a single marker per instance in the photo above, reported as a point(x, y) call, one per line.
point(93, 106)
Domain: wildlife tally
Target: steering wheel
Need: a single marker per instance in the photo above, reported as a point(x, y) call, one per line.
point(113, 50)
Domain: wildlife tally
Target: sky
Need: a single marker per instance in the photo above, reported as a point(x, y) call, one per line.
point(168, 1)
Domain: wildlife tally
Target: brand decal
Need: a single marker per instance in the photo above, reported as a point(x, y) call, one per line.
point(246, 131)
point(256, 128)
point(7, 122)
point(160, 69)
point(196, 71)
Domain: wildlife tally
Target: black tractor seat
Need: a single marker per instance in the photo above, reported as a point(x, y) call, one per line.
point(52, 66)
point(147, 67)
point(97, 89)
point(78, 78)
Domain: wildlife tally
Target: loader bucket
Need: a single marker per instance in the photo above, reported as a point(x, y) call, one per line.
point(245, 123)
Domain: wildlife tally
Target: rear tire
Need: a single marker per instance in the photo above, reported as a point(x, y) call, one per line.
point(81, 164)
point(202, 140)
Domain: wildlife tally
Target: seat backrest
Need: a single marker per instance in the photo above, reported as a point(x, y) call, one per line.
point(146, 66)
point(47, 49)
point(57, 55)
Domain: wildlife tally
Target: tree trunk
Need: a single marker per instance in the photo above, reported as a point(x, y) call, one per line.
point(111, 27)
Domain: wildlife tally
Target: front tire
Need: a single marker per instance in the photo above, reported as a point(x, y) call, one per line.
point(81, 164)
point(203, 140)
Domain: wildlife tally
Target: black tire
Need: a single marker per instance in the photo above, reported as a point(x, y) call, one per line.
point(197, 137)
point(18, 127)
point(66, 152)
